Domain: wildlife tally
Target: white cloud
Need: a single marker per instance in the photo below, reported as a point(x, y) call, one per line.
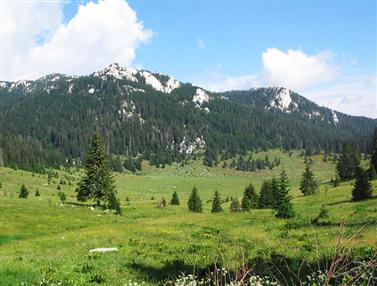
point(99, 34)
point(200, 43)
point(316, 77)
point(295, 69)
point(355, 95)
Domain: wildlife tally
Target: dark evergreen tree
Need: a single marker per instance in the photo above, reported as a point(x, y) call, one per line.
point(24, 193)
point(309, 184)
point(282, 192)
point(97, 183)
point(285, 210)
point(374, 149)
point(234, 205)
point(37, 194)
point(174, 199)
point(113, 203)
point(348, 161)
point(116, 164)
point(266, 197)
point(216, 203)
point(335, 181)
point(249, 199)
point(194, 203)
point(283, 205)
point(362, 189)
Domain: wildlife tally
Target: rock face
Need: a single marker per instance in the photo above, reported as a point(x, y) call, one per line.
point(104, 249)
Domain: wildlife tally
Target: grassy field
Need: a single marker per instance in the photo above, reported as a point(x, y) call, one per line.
point(42, 241)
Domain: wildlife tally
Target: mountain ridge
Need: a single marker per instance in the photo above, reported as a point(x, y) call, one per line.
point(153, 114)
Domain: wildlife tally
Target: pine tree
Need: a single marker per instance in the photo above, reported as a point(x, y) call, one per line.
point(216, 203)
point(174, 199)
point(37, 194)
point(362, 189)
point(194, 202)
point(309, 184)
point(234, 205)
point(285, 210)
point(348, 161)
point(266, 195)
point(374, 149)
point(97, 184)
point(24, 193)
point(249, 199)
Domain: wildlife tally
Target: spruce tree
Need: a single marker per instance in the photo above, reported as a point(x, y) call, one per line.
point(234, 205)
point(266, 195)
point(283, 204)
point(362, 189)
point(24, 193)
point(374, 149)
point(249, 199)
point(97, 184)
point(174, 199)
point(309, 184)
point(194, 203)
point(113, 203)
point(62, 197)
point(37, 194)
point(216, 203)
point(283, 189)
point(348, 161)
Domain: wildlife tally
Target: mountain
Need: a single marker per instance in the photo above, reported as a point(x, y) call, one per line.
point(49, 121)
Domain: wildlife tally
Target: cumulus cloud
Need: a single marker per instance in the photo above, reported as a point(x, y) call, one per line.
point(295, 69)
point(100, 33)
point(317, 77)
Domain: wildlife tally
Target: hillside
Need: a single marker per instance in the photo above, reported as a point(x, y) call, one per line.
point(43, 240)
point(139, 112)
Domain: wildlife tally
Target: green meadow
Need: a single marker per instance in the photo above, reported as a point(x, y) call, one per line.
point(43, 242)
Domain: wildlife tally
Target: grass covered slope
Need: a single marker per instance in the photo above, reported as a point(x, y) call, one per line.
point(42, 240)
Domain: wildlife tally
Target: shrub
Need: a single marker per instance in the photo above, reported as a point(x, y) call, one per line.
point(24, 193)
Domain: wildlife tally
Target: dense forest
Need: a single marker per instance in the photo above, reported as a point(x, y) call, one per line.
point(49, 122)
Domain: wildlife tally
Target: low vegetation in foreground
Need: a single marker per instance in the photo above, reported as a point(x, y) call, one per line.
point(192, 225)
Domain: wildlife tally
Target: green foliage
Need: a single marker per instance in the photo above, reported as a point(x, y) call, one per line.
point(285, 210)
point(210, 157)
point(97, 183)
point(234, 205)
point(37, 194)
point(362, 189)
point(374, 149)
point(194, 203)
point(24, 193)
point(268, 193)
point(309, 184)
point(114, 203)
point(174, 199)
point(216, 203)
point(372, 172)
point(133, 164)
point(249, 199)
point(283, 203)
point(335, 181)
point(62, 197)
point(322, 218)
point(348, 161)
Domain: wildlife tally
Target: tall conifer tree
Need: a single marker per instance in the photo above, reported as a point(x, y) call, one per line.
point(216, 203)
point(97, 183)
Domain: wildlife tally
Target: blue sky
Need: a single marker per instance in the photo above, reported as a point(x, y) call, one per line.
point(236, 33)
point(326, 50)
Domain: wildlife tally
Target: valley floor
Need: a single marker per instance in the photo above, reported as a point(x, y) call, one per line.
point(43, 240)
